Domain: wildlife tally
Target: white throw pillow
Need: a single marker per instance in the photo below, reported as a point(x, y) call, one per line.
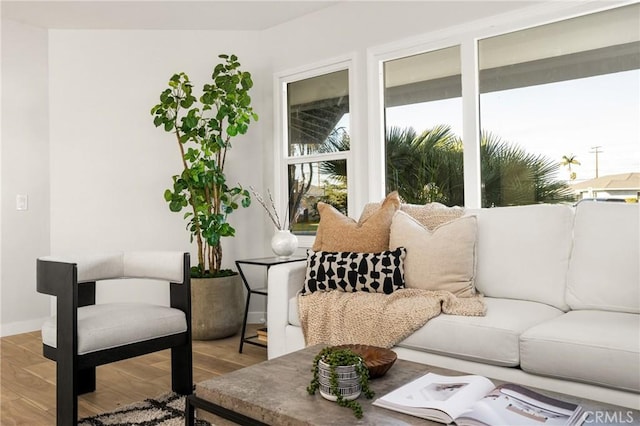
point(441, 259)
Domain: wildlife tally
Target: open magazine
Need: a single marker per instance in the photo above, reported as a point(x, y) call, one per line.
point(475, 400)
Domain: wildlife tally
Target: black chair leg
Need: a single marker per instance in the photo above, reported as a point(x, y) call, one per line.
point(86, 380)
point(66, 395)
point(182, 369)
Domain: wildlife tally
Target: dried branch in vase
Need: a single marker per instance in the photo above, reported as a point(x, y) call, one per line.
point(270, 209)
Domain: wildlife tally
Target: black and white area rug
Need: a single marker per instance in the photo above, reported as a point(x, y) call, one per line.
point(164, 410)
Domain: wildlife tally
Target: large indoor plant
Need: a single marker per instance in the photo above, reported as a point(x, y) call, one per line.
point(204, 127)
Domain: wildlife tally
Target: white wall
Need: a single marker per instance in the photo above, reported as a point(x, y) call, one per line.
point(25, 171)
point(109, 165)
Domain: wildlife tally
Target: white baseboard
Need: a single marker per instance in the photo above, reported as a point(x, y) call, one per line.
point(20, 327)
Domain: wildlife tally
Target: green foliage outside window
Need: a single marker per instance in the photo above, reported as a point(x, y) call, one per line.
point(428, 167)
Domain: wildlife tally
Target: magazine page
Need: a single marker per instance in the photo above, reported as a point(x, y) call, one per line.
point(436, 397)
point(511, 404)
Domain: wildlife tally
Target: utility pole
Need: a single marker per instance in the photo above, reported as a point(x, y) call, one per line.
point(596, 151)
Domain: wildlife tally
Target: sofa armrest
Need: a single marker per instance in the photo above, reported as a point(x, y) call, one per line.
point(284, 282)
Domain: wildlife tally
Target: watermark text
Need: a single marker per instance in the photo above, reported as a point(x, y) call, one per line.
point(622, 417)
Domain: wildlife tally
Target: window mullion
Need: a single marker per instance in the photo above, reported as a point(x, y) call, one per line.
point(281, 136)
point(471, 123)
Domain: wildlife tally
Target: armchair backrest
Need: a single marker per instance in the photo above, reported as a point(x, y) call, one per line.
point(159, 265)
point(55, 273)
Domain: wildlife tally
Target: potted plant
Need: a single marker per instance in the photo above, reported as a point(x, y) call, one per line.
point(203, 128)
point(341, 375)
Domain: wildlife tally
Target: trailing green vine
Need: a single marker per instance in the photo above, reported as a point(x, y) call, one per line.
point(341, 357)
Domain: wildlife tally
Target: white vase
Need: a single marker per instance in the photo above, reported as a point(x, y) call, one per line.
point(284, 243)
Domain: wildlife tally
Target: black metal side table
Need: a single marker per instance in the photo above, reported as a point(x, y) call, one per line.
point(263, 261)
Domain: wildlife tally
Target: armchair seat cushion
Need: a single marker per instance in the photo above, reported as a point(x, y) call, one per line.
point(109, 325)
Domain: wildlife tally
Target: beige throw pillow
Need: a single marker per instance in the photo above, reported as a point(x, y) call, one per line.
point(430, 215)
point(337, 232)
point(441, 259)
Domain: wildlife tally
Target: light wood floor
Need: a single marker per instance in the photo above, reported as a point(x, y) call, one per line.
point(27, 381)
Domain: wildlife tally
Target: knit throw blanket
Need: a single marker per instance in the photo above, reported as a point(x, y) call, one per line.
point(339, 318)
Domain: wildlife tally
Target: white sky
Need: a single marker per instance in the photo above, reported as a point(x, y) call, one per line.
point(565, 118)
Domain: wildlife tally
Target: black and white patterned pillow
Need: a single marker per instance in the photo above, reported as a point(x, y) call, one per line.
point(348, 271)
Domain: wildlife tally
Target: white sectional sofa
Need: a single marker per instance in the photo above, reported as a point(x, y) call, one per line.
point(562, 290)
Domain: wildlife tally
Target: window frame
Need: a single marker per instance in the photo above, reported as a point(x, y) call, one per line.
point(282, 159)
point(467, 37)
point(366, 178)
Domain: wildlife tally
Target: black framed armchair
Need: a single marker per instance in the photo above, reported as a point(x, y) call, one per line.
point(84, 335)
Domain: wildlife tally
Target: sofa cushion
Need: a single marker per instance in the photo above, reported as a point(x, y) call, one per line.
point(491, 339)
point(337, 232)
point(523, 252)
point(108, 325)
point(350, 272)
point(603, 271)
point(597, 347)
point(430, 215)
point(438, 259)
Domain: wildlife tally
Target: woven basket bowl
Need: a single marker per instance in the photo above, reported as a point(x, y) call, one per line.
point(378, 360)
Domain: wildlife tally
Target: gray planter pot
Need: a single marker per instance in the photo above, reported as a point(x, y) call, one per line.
point(216, 307)
point(348, 381)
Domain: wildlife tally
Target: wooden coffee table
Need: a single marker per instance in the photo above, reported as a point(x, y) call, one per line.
point(274, 393)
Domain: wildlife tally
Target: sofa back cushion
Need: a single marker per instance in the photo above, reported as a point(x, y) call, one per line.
point(604, 271)
point(430, 215)
point(523, 252)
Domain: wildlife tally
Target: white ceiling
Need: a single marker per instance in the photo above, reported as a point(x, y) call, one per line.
point(158, 14)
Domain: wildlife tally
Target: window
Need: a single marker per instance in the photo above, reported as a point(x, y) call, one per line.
point(559, 108)
point(318, 145)
point(423, 122)
point(549, 113)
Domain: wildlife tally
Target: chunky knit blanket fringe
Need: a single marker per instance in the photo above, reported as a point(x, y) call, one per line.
point(339, 318)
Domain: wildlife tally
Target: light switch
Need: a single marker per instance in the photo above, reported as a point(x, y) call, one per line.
point(22, 202)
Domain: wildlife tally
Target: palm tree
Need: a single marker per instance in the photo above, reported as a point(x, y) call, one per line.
point(338, 140)
point(429, 168)
point(568, 160)
point(512, 176)
point(301, 175)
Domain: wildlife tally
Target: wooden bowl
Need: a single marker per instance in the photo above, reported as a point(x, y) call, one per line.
point(378, 360)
